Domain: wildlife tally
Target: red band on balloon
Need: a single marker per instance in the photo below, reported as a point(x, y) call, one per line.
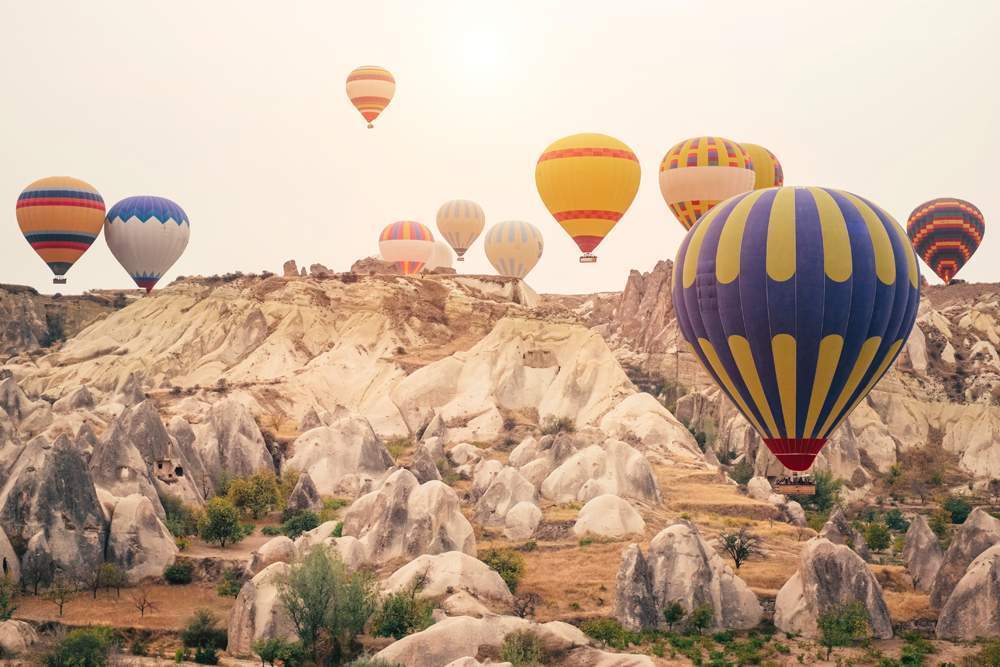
point(795, 453)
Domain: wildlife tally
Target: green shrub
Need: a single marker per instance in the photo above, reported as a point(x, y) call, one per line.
point(522, 649)
point(373, 662)
point(396, 447)
point(221, 523)
point(179, 573)
point(843, 625)
point(700, 619)
point(180, 655)
point(338, 530)
point(611, 632)
point(230, 584)
point(202, 631)
point(85, 647)
point(206, 656)
point(895, 520)
point(508, 563)
point(877, 537)
point(402, 613)
point(742, 472)
point(554, 425)
point(959, 508)
point(139, 647)
point(299, 522)
point(182, 521)
point(271, 651)
point(256, 495)
point(673, 614)
point(988, 656)
point(8, 598)
point(826, 496)
point(328, 605)
point(271, 531)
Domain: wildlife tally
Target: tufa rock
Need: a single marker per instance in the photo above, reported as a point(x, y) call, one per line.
point(979, 532)
point(278, 549)
point(609, 516)
point(635, 607)
point(521, 521)
point(973, 608)
point(290, 269)
point(304, 496)
point(259, 613)
point(447, 573)
point(829, 575)
point(508, 488)
point(839, 531)
point(343, 457)
point(138, 542)
point(922, 554)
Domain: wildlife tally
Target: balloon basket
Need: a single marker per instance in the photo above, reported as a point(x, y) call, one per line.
point(460, 259)
point(58, 281)
point(796, 485)
point(370, 126)
point(588, 259)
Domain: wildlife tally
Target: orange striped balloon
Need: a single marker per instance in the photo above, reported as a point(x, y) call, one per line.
point(407, 243)
point(371, 89)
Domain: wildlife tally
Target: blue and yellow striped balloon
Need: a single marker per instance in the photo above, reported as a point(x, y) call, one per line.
point(796, 300)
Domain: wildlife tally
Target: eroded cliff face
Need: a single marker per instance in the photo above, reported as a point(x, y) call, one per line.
point(944, 389)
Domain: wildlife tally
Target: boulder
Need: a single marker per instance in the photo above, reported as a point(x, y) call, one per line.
point(635, 606)
point(130, 391)
point(459, 637)
point(304, 496)
point(77, 399)
point(839, 531)
point(472, 662)
point(829, 575)
point(922, 554)
point(609, 516)
point(258, 612)
point(759, 488)
point(483, 475)
point(278, 549)
point(139, 543)
point(49, 501)
point(521, 521)
point(685, 569)
point(403, 518)
point(447, 573)
point(342, 457)
point(464, 604)
point(290, 269)
point(973, 608)
point(979, 532)
point(423, 466)
point(612, 468)
point(508, 488)
point(229, 440)
point(642, 420)
point(16, 637)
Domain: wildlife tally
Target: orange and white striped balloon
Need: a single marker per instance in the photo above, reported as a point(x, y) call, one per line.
point(371, 89)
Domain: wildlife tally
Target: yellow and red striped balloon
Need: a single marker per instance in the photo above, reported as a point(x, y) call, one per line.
point(698, 173)
point(587, 181)
point(766, 168)
point(60, 217)
point(407, 243)
point(370, 89)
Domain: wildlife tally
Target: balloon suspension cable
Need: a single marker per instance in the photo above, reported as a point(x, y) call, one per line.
point(587, 258)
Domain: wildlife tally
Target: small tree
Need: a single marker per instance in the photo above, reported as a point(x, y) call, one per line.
point(741, 545)
point(877, 537)
point(328, 605)
point(742, 472)
point(842, 626)
point(895, 520)
point(60, 592)
point(959, 508)
point(142, 601)
point(271, 651)
point(111, 576)
point(827, 493)
point(403, 613)
point(8, 598)
point(508, 564)
point(203, 632)
point(256, 495)
point(700, 618)
point(673, 614)
point(221, 523)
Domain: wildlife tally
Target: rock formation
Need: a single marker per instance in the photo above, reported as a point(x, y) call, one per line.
point(979, 532)
point(343, 457)
point(448, 573)
point(839, 531)
point(608, 516)
point(259, 613)
point(635, 606)
point(138, 542)
point(506, 489)
point(973, 608)
point(922, 554)
point(829, 575)
point(403, 518)
point(612, 468)
point(521, 521)
point(279, 549)
point(683, 568)
point(304, 496)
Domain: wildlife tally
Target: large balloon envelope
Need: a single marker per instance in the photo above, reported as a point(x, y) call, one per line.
point(60, 217)
point(147, 235)
point(766, 168)
point(370, 89)
point(514, 247)
point(407, 243)
point(587, 181)
point(441, 257)
point(945, 232)
point(460, 222)
point(698, 173)
point(796, 300)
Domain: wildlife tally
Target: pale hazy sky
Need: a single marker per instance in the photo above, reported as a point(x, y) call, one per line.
point(237, 111)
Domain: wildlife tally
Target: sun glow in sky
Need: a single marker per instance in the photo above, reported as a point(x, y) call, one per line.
point(237, 111)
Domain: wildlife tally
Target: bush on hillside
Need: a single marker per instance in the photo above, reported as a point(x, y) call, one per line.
point(508, 563)
point(179, 573)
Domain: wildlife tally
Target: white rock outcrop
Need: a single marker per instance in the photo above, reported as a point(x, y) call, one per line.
point(448, 573)
point(259, 613)
point(343, 457)
point(608, 516)
point(612, 468)
point(138, 541)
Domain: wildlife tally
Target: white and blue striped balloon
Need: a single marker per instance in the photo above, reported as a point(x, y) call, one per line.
point(146, 235)
point(514, 248)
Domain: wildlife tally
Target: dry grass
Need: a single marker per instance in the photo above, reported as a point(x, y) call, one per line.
point(174, 605)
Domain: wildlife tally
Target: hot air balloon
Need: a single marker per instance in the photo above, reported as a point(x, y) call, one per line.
point(945, 232)
point(796, 300)
point(371, 89)
point(60, 217)
point(409, 244)
point(146, 235)
point(440, 258)
point(767, 169)
point(514, 248)
point(460, 222)
point(698, 173)
point(587, 181)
